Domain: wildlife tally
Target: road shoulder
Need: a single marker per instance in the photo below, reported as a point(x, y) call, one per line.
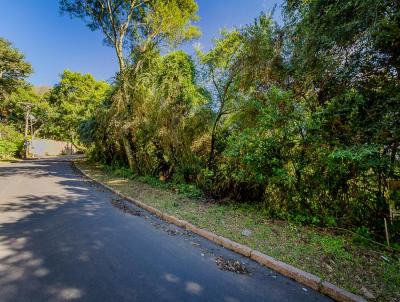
point(184, 215)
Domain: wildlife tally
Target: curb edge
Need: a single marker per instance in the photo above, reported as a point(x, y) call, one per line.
point(283, 268)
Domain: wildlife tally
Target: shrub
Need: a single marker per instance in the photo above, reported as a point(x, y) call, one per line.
point(11, 142)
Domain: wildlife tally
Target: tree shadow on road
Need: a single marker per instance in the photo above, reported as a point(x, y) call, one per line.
point(71, 244)
point(50, 244)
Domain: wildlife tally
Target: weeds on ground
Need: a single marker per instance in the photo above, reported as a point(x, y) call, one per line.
point(344, 259)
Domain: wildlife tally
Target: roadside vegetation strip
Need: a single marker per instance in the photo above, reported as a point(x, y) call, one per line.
point(335, 258)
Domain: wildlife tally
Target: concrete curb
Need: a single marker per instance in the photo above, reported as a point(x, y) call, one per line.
point(285, 269)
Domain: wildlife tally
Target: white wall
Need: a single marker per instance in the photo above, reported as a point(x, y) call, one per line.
point(47, 147)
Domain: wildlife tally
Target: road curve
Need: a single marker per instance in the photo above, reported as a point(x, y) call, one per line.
point(61, 239)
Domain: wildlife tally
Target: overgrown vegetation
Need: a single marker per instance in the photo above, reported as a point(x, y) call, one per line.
point(54, 113)
point(300, 118)
point(11, 142)
point(340, 257)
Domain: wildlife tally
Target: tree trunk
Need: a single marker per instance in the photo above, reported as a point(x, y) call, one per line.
point(213, 140)
point(212, 148)
point(128, 152)
point(27, 112)
point(124, 137)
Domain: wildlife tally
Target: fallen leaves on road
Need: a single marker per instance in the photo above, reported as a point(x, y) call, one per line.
point(231, 265)
point(120, 204)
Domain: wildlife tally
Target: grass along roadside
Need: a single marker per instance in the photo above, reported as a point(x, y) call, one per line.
point(9, 160)
point(337, 258)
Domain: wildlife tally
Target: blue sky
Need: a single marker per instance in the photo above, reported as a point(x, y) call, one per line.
point(52, 42)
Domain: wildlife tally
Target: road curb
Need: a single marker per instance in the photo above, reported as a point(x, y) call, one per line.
point(283, 268)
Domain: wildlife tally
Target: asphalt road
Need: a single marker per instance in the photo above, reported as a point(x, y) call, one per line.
point(62, 240)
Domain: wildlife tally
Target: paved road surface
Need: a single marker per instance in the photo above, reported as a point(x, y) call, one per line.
point(62, 240)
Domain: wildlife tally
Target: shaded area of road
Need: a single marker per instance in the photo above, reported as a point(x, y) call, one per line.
point(62, 240)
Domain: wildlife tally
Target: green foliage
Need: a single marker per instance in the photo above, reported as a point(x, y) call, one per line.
point(187, 190)
point(301, 118)
point(13, 69)
point(136, 25)
point(73, 101)
point(364, 235)
point(219, 77)
point(14, 109)
point(172, 20)
point(11, 142)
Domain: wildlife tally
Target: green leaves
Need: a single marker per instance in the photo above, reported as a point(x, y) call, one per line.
point(225, 50)
point(137, 25)
point(13, 69)
point(74, 99)
point(303, 116)
point(172, 20)
point(11, 142)
point(263, 152)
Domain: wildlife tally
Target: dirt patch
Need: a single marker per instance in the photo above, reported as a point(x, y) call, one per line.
point(231, 265)
point(171, 230)
point(174, 232)
point(120, 204)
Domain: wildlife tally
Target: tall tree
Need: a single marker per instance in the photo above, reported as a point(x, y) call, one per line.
point(347, 64)
point(220, 73)
point(13, 68)
point(74, 99)
point(130, 25)
point(133, 27)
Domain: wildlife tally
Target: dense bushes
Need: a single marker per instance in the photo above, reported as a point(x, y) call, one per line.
point(13, 71)
point(11, 142)
point(299, 118)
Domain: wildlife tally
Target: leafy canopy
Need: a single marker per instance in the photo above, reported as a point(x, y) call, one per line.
point(135, 25)
point(13, 68)
point(74, 99)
